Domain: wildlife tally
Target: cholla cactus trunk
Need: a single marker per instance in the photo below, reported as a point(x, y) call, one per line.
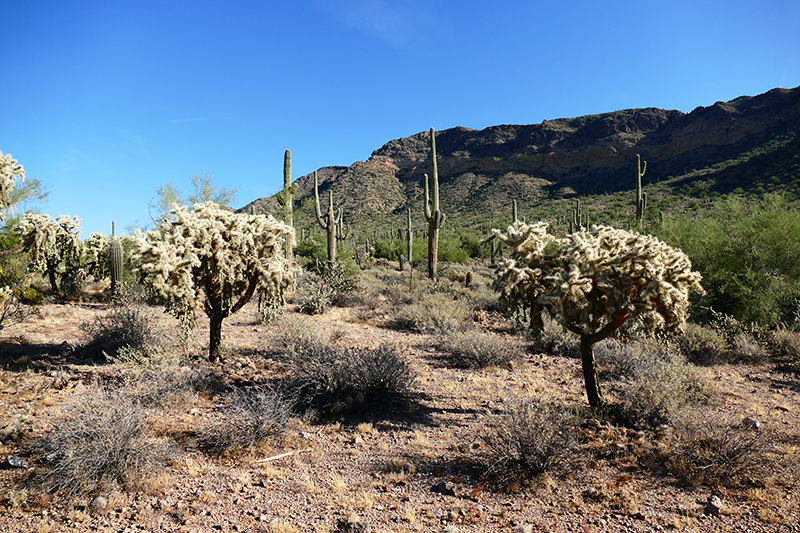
point(432, 212)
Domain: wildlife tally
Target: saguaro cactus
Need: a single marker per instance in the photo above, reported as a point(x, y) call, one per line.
point(409, 238)
point(329, 221)
point(116, 261)
point(433, 214)
point(286, 196)
point(641, 197)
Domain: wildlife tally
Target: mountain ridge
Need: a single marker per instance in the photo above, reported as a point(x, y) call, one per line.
point(481, 170)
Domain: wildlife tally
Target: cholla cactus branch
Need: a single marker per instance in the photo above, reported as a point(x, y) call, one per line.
point(592, 281)
point(10, 173)
point(216, 259)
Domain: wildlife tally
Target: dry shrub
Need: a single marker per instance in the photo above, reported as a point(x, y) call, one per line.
point(313, 295)
point(296, 334)
point(248, 418)
point(712, 450)
point(703, 345)
point(129, 324)
point(334, 381)
point(473, 349)
point(434, 313)
point(100, 442)
point(653, 381)
point(531, 438)
point(785, 343)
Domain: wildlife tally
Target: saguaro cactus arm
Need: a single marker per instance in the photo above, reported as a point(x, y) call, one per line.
point(320, 218)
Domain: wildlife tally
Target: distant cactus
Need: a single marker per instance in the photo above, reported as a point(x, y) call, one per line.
point(641, 197)
point(514, 217)
point(409, 238)
point(286, 196)
point(329, 221)
point(116, 261)
point(433, 214)
point(577, 222)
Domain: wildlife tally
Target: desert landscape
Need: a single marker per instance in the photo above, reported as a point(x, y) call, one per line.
point(437, 452)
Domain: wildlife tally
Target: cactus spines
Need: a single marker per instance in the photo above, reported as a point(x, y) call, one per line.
point(115, 261)
point(329, 221)
point(433, 214)
point(641, 197)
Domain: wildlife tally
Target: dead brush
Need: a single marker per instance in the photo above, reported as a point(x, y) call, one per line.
point(247, 418)
point(652, 381)
point(473, 349)
point(333, 381)
point(129, 324)
point(713, 451)
point(100, 442)
point(531, 438)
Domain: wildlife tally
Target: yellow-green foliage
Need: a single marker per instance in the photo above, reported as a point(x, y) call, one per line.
point(590, 278)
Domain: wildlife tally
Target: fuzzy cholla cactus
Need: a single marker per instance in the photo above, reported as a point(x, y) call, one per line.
point(213, 257)
point(593, 280)
point(55, 249)
point(96, 255)
point(10, 172)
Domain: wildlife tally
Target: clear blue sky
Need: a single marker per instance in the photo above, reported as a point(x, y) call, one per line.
point(106, 100)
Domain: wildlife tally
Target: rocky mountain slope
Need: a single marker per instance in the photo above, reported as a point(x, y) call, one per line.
point(748, 144)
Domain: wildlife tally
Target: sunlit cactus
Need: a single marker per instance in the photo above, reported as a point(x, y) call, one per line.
point(592, 281)
point(329, 221)
point(214, 258)
point(433, 213)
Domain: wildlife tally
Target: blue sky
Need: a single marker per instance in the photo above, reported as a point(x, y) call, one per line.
point(106, 100)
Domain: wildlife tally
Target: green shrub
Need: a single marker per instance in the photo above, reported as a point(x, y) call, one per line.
point(472, 349)
point(785, 343)
point(433, 313)
point(747, 255)
point(703, 345)
point(531, 438)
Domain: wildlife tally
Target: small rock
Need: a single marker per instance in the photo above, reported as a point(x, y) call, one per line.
point(352, 526)
point(751, 423)
point(444, 487)
point(522, 529)
point(714, 505)
point(17, 462)
point(100, 502)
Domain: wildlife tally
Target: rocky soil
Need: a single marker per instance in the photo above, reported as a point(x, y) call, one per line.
point(423, 471)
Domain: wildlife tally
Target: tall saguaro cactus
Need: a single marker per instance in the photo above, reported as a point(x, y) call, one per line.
point(286, 196)
point(433, 214)
point(328, 221)
point(115, 261)
point(410, 238)
point(641, 197)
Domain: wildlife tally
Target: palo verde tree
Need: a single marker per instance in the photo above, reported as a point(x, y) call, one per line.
point(592, 281)
point(213, 257)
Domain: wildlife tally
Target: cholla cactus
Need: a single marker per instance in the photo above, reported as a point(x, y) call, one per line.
point(215, 258)
point(55, 249)
point(593, 280)
point(96, 255)
point(10, 172)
